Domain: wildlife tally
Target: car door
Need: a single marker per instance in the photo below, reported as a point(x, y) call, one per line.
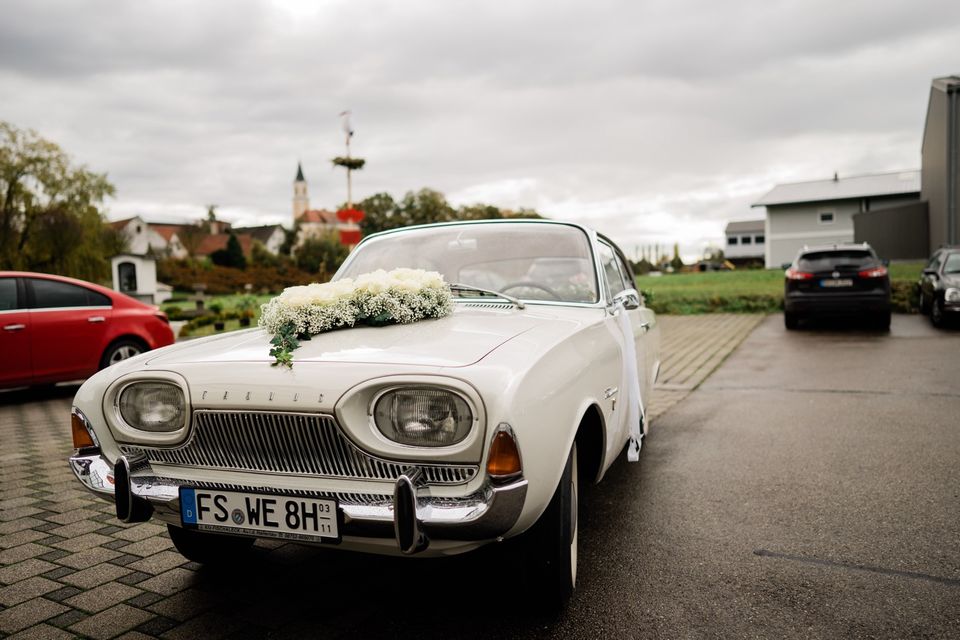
point(644, 323)
point(68, 327)
point(15, 364)
point(615, 284)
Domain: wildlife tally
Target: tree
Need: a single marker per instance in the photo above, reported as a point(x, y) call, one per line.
point(479, 212)
point(50, 218)
point(322, 254)
point(232, 256)
point(380, 213)
point(425, 206)
point(260, 256)
point(677, 261)
point(191, 236)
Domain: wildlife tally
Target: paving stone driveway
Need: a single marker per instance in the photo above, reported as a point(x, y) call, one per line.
point(69, 568)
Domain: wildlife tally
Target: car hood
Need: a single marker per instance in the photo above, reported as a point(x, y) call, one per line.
point(460, 339)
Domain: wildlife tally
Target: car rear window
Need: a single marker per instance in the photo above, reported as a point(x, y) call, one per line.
point(50, 294)
point(8, 294)
point(826, 260)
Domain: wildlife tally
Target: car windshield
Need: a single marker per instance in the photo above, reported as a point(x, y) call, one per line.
point(827, 260)
point(952, 265)
point(528, 260)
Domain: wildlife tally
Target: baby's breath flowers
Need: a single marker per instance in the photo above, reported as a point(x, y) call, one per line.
point(382, 297)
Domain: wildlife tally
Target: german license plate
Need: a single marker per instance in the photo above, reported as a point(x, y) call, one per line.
point(262, 515)
point(839, 282)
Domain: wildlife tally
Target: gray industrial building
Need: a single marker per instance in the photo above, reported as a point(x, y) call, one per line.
point(828, 211)
point(941, 161)
point(903, 215)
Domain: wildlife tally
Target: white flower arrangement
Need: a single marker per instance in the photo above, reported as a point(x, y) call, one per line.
point(382, 297)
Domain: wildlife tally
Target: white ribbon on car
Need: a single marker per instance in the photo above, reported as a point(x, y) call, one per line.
point(631, 382)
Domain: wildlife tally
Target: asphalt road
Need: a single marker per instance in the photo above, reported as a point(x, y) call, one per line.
point(810, 488)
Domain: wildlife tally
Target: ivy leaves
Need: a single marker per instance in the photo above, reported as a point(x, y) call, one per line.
point(284, 341)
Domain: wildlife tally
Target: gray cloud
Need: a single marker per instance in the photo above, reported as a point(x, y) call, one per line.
point(653, 120)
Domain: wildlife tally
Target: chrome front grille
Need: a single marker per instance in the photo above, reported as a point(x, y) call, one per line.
point(286, 443)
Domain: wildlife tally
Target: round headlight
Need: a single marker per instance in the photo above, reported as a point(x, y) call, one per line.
point(952, 295)
point(153, 406)
point(423, 417)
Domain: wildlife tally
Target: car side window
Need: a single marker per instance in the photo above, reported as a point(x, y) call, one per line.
point(609, 261)
point(8, 294)
point(625, 273)
point(51, 294)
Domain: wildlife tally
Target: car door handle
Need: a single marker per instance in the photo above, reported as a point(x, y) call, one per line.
point(14, 327)
point(96, 319)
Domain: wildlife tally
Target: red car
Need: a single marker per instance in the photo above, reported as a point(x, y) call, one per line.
point(54, 328)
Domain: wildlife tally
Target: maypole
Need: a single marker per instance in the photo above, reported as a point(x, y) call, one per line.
point(351, 217)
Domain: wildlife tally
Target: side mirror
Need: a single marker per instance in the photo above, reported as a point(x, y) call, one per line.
point(629, 297)
point(930, 272)
point(786, 265)
point(885, 262)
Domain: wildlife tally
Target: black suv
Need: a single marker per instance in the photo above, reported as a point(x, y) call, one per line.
point(940, 286)
point(837, 280)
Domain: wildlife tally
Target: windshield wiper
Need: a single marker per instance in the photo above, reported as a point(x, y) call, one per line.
point(458, 287)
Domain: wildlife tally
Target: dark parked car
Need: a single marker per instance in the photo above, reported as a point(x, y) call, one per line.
point(837, 280)
point(54, 328)
point(940, 286)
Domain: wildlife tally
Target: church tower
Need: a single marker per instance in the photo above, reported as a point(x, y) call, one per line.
point(301, 202)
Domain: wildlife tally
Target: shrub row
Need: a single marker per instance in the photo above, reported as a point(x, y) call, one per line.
point(183, 275)
point(903, 299)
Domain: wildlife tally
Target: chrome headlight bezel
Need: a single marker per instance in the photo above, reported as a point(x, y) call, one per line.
point(461, 429)
point(127, 433)
point(354, 414)
point(951, 295)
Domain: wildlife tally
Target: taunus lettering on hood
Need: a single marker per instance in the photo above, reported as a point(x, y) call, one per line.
point(261, 395)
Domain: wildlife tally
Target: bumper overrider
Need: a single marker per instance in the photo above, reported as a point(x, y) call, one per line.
point(411, 515)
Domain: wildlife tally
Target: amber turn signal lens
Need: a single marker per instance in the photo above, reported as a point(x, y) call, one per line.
point(81, 437)
point(504, 459)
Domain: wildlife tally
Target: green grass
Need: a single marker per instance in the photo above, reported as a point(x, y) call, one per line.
point(229, 304)
point(748, 291)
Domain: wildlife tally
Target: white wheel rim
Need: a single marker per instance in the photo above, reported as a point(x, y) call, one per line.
point(124, 352)
point(574, 493)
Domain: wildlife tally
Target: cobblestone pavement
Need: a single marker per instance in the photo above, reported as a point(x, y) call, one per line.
point(69, 568)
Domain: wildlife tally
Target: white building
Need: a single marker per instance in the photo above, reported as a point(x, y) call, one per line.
point(746, 241)
point(143, 237)
point(822, 211)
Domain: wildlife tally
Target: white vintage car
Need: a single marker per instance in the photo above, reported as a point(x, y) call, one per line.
point(431, 438)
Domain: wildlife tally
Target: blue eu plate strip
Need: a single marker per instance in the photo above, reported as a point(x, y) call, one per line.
point(188, 505)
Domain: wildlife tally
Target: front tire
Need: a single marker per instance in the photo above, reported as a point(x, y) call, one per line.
point(551, 544)
point(208, 548)
point(936, 314)
point(924, 304)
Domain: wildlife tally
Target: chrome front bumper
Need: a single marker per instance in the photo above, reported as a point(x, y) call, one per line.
point(485, 514)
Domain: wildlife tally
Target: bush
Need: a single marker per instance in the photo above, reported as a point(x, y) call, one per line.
point(174, 312)
point(904, 297)
point(746, 303)
point(183, 274)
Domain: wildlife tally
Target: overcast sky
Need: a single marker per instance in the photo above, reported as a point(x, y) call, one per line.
point(651, 121)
